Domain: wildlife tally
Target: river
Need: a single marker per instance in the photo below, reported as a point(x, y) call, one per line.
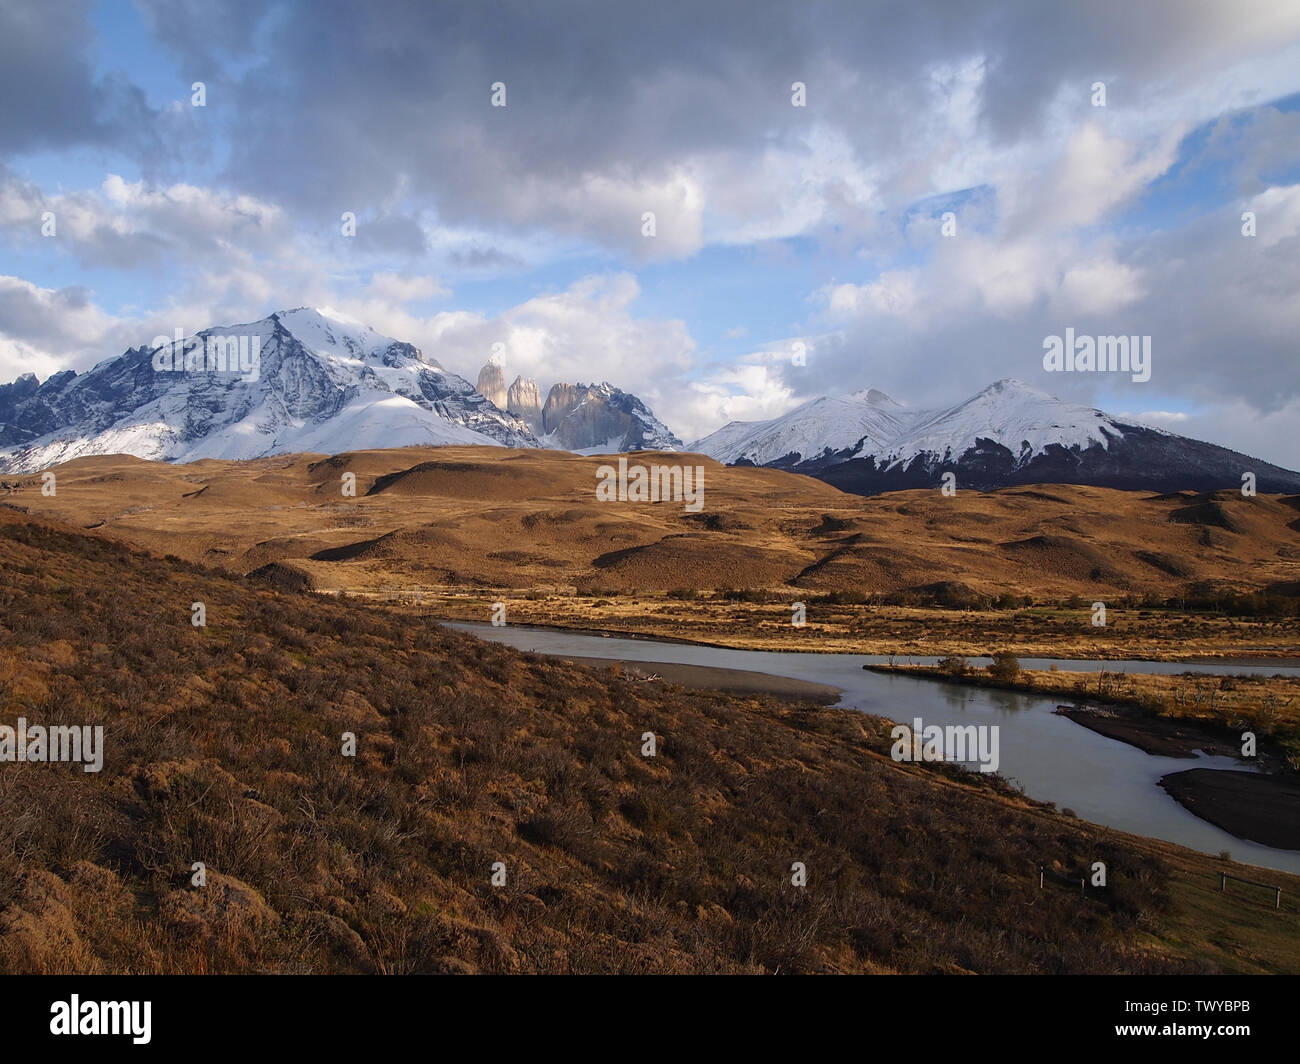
point(1050, 757)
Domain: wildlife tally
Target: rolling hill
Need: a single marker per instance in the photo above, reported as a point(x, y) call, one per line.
point(497, 517)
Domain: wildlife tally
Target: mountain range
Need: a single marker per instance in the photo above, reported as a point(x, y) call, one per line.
point(301, 380)
point(1009, 433)
point(308, 380)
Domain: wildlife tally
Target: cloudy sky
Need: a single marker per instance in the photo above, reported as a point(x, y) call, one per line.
point(775, 224)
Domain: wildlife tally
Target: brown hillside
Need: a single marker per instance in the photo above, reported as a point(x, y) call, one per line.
point(223, 747)
point(530, 519)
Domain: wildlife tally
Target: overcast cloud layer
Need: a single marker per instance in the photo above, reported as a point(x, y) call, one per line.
point(776, 225)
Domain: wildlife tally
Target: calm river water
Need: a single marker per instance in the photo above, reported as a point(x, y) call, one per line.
point(1051, 758)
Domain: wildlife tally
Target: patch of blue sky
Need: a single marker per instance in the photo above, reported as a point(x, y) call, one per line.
point(1206, 176)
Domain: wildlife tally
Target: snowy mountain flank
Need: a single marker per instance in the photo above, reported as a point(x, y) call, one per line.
point(1008, 433)
point(298, 380)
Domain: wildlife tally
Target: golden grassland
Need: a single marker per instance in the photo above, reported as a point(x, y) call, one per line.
point(490, 517)
point(1268, 706)
point(223, 746)
point(449, 531)
point(1064, 631)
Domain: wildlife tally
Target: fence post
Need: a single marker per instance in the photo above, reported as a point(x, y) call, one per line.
point(1277, 891)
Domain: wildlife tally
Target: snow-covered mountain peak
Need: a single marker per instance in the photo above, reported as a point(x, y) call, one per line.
point(317, 381)
point(1008, 412)
point(875, 397)
point(1007, 433)
point(1013, 386)
point(822, 425)
point(335, 335)
point(1015, 415)
point(302, 379)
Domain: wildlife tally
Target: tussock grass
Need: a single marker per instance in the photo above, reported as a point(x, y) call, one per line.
point(223, 746)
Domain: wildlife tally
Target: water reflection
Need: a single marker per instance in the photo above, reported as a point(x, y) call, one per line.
point(1049, 756)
